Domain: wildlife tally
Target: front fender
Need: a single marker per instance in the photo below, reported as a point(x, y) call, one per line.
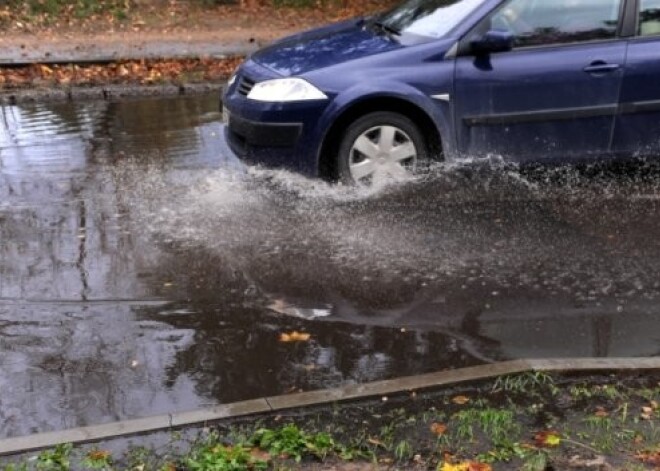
point(439, 112)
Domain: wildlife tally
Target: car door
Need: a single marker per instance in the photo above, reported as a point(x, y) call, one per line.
point(555, 94)
point(637, 129)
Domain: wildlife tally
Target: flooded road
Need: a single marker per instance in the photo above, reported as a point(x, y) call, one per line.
point(143, 270)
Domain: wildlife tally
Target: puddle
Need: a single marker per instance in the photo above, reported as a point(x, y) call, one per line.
point(143, 270)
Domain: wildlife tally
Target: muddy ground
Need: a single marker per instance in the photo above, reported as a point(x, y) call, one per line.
point(532, 422)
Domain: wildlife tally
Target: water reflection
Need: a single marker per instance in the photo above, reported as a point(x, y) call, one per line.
point(141, 273)
point(75, 265)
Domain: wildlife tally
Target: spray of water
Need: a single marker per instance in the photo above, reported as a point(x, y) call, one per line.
point(558, 229)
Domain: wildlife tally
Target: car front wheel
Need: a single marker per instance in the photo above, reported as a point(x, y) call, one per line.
point(379, 147)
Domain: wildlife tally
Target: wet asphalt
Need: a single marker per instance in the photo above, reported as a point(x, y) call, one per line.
point(144, 270)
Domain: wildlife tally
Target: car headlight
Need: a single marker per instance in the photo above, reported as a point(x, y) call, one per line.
point(287, 89)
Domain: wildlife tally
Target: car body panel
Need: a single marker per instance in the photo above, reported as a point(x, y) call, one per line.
point(388, 76)
point(637, 129)
point(318, 49)
point(529, 104)
point(539, 102)
point(347, 86)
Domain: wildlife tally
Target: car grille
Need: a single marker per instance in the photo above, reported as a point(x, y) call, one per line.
point(245, 85)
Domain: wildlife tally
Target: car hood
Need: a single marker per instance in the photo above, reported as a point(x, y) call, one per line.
point(323, 47)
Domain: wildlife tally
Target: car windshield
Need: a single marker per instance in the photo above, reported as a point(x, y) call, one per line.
point(430, 18)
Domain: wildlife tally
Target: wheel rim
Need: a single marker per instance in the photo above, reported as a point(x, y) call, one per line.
point(382, 153)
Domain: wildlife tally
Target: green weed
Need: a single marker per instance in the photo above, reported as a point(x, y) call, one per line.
point(525, 383)
point(580, 392)
point(505, 453)
point(219, 457)
point(293, 442)
point(599, 424)
point(15, 467)
point(497, 424)
point(56, 459)
point(98, 459)
point(537, 461)
point(403, 450)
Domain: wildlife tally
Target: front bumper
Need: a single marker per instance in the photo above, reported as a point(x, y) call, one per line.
point(255, 133)
point(276, 135)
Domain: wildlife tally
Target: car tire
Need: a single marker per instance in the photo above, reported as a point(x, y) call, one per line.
point(380, 146)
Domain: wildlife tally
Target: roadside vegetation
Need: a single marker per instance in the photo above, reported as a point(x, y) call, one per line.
point(529, 422)
point(25, 15)
point(27, 24)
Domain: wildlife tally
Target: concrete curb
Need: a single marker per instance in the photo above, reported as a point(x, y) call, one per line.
point(105, 92)
point(112, 52)
point(315, 398)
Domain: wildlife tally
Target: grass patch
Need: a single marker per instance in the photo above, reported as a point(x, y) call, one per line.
point(524, 422)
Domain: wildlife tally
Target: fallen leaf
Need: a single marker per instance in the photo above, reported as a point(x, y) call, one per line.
point(547, 438)
point(598, 462)
point(438, 429)
point(98, 455)
point(652, 458)
point(259, 454)
point(375, 441)
point(601, 412)
point(646, 413)
point(465, 466)
point(460, 400)
point(294, 336)
point(476, 466)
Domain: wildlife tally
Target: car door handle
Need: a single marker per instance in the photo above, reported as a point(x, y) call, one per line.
point(601, 68)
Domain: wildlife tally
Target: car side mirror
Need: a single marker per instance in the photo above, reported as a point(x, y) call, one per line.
point(492, 41)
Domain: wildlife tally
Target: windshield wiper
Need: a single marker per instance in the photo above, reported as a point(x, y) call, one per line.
point(379, 25)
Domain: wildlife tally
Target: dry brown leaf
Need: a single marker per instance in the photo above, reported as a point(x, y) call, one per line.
point(438, 429)
point(259, 454)
point(460, 400)
point(547, 438)
point(647, 412)
point(649, 457)
point(98, 455)
point(601, 412)
point(465, 466)
point(375, 441)
point(294, 336)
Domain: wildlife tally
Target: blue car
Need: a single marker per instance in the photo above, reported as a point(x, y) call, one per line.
point(527, 80)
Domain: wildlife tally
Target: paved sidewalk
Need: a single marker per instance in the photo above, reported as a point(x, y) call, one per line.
point(109, 52)
point(112, 47)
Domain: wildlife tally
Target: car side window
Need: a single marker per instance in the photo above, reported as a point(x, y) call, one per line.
point(547, 22)
point(649, 17)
